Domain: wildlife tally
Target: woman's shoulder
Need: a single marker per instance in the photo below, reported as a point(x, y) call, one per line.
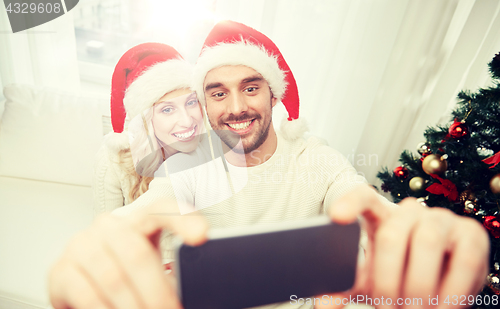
point(111, 158)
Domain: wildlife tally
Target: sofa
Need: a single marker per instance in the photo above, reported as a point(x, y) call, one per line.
point(48, 141)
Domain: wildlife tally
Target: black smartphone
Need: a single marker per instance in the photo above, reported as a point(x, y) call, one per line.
point(253, 266)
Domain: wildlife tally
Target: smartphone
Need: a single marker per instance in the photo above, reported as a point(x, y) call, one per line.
point(253, 266)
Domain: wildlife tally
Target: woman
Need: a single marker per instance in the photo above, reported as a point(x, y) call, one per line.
point(150, 86)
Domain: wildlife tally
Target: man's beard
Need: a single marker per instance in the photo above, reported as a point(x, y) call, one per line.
point(231, 139)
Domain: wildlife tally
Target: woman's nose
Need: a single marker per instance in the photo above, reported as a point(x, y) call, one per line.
point(185, 119)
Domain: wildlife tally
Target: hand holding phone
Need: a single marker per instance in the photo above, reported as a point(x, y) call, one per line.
point(246, 267)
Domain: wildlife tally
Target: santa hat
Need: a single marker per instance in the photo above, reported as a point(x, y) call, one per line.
point(143, 75)
point(232, 43)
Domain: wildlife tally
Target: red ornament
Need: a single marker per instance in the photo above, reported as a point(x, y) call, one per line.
point(458, 130)
point(401, 172)
point(446, 188)
point(493, 160)
point(492, 224)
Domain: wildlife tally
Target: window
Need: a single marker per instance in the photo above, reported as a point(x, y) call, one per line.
point(105, 29)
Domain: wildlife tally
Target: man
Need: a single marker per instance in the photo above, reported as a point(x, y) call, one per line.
point(412, 252)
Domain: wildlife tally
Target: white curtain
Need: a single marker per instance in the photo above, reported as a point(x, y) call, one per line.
point(41, 56)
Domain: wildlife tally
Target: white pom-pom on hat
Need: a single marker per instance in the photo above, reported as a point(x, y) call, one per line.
point(116, 141)
point(293, 129)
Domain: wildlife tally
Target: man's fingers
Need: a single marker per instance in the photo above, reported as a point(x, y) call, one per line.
point(427, 254)
point(117, 265)
point(467, 264)
point(99, 265)
point(79, 294)
point(164, 214)
point(414, 252)
point(391, 250)
point(141, 266)
point(361, 201)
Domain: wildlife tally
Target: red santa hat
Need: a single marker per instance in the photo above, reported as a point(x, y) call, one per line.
point(232, 43)
point(143, 75)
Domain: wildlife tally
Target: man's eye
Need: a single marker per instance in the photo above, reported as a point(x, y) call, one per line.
point(218, 94)
point(251, 89)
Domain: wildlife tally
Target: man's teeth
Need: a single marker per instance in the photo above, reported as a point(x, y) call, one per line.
point(185, 135)
point(240, 126)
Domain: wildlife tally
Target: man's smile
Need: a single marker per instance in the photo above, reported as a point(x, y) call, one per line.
point(241, 127)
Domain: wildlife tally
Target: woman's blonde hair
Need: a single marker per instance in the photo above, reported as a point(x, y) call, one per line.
point(140, 184)
point(145, 154)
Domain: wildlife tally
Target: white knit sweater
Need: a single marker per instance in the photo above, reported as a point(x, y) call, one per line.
point(111, 184)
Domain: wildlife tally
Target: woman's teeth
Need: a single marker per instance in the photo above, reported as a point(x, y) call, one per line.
point(240, 126)
point(185, 135)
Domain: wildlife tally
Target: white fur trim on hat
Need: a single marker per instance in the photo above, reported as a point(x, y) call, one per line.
point(154, 83)
point(293, 129)
point(239, 53)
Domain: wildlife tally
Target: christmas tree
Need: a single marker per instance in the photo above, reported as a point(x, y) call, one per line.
point(457, 167)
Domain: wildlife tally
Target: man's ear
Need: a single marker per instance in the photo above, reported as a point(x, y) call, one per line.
point(274, 100)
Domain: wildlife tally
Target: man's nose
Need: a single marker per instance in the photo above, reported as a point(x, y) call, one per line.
point(237, 104)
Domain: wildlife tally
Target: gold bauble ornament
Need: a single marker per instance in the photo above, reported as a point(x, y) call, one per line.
point(434, 164)
point(417, 184)
point(493, 281)
point(495, 184)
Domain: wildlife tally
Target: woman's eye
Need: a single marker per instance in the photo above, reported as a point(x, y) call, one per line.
point(191, 102)
point(167, 110)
